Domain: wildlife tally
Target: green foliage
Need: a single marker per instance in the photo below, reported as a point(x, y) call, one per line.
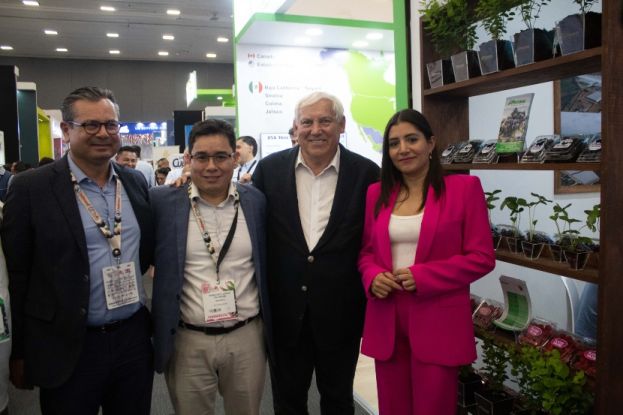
point(547, 383)
point(559, 213)
point(571, 237)
point(494, 16)
point(585, 5)
point(530, 9)
point(490, 198)
point(539, 200)
point(494, 358)
point(450, 25)
point(515, 206)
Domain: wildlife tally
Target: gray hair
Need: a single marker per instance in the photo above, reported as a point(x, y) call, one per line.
point(87, 93)
point(314, 97)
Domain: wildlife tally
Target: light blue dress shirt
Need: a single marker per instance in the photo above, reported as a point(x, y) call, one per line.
point(98, 248)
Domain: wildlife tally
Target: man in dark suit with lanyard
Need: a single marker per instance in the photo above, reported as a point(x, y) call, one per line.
point(76, 236)
point(246, 148)
point(316, 199)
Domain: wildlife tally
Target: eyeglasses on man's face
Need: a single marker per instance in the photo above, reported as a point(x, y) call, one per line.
point(218, 158)
point(93, 127)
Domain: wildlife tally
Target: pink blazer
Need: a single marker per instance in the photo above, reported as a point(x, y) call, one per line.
point(455, 248)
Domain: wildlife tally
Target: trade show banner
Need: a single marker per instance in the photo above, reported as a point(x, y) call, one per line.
point(271, 80)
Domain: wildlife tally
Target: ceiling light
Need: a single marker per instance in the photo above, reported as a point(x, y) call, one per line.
point(62, 50)
point(314, 31)
point(30, 3)
point(374, 36)
point(219, 98)
point(6, 47)
point(163, 53)
point(168, 37)
point(112, 34)
point(50, 32)
point(114, 52)
point(107, 9)
point(211, 55)
point(173, 12)
point(302, 40)
point(222, 39)
point(360, 44)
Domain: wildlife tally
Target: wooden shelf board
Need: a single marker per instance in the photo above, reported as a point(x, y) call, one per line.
point(548, 265)
point(587, 61)
point(526, 166)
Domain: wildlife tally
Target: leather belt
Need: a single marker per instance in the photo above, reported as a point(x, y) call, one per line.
point(114, 325)
point(213, 331)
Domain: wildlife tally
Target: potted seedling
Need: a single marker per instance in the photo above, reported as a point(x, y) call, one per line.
point(515, 206)
point(559, 212)
point(533, 245)
point(493, 399)
point(579, 31)
point(491, 197)
point(549, 385)
point(532, 45)
point(577, 250)
point(450, 29)
point(495, 54)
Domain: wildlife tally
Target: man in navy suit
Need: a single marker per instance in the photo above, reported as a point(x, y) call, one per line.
point(211, 313)
point(316, 199)
point(76, 236)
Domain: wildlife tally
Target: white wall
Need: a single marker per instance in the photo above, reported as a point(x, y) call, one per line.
point(373, 10)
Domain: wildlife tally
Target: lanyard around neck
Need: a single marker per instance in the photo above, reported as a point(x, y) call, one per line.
point(114, 237)
point(207, 239)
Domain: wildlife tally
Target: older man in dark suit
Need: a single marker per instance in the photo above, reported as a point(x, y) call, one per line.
point(76, 236)
point(316, 199)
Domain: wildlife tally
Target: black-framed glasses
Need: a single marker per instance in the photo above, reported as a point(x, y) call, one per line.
point(218, 158)
point(92, 126)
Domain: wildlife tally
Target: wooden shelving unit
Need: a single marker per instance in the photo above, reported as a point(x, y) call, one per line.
point(447, 110)
point(548, 265)
point(526, 166)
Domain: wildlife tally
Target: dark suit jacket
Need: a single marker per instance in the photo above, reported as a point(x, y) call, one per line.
point(325, 282)
point(47, 260)
point(171, 210)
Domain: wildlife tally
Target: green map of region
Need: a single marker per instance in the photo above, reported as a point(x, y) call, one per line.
point(374, 99)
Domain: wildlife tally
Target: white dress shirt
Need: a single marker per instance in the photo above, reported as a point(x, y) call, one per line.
point(315, 196)
point(237, 265)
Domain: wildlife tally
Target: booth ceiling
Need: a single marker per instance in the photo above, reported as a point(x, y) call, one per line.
point(140, 24)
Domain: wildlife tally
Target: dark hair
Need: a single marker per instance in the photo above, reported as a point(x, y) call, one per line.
point(391, 177)
point(129, 149)
point(212, 127)
point(21, 166)
point(247, 139)
point(137, 150)
point(87, 93)
point(291, 131)
point(45, 160)
point(163, 170)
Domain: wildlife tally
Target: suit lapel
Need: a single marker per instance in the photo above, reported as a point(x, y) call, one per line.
point(382, 232)
point(181, 215)
point(343, 192)
point(292, 202)
point(249, 215)
point(66, 198)
point(429, 226)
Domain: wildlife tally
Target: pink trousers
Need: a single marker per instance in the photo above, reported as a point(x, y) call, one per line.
point(407, 386)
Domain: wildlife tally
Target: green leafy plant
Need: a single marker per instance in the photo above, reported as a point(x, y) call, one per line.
point(490, 198)
point(515, 205)
point(531, 206)
point(572, 238)
point(494, 15)
point(547, 383)
point(450, 25)
point(530, 9)
point(494, 359)
point(558, 213)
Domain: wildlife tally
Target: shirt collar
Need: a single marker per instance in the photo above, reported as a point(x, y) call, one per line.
point(248, 163)
point(80, 175)
point(335, 162)
point(194, 194)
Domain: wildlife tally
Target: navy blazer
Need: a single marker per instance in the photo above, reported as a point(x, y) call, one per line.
point(324, 283)
point(171, 210)
point(48, 264)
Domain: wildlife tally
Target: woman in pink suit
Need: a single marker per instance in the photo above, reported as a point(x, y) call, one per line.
point(426, 238)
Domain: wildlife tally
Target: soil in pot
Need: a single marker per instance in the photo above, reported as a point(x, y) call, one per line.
point(576, 259)
point(556, 252)
point(532, 250)
point(514, 244)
